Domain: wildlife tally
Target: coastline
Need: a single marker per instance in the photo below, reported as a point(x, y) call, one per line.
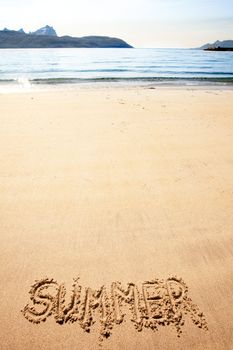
point(45, 85)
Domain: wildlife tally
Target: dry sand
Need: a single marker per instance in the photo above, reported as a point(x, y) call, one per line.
point(117, 184)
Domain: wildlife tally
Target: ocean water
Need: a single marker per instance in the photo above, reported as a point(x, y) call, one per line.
point(29, 67)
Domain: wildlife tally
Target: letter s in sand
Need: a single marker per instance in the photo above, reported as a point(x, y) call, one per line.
point(44, 303)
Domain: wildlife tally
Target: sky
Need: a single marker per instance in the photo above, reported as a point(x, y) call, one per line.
point(142, 23)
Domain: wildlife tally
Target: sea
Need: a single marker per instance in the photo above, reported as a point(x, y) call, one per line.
point(26, 69)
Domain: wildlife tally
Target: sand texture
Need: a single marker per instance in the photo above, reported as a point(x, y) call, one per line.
point(116, 218)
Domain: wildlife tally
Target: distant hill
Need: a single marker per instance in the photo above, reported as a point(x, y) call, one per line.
point(226, 44)
point(47, 30)
point(46, 37)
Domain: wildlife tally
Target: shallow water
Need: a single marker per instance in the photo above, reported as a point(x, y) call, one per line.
point(52, 66)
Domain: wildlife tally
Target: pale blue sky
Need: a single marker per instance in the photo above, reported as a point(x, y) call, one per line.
point(142, 23)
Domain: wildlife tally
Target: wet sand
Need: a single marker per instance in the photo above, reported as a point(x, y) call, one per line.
point(117, 184)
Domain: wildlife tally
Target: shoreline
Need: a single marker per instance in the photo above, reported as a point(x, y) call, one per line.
point(27, 86)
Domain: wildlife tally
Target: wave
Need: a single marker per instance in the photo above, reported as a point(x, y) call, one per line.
point(159, 80)
point(46, 81)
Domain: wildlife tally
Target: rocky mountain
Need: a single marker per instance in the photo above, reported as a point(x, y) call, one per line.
point(226, 44)
point(47, 30)
point(41, 39)
point(9, 30)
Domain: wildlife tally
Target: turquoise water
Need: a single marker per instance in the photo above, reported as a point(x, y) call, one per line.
point(51, 66)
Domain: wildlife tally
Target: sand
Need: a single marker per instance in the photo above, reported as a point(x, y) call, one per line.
point(116, 217)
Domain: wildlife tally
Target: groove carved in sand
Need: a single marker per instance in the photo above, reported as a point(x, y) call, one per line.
point(157, 303)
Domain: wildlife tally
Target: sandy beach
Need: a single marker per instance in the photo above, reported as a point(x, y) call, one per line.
point(121, 188)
